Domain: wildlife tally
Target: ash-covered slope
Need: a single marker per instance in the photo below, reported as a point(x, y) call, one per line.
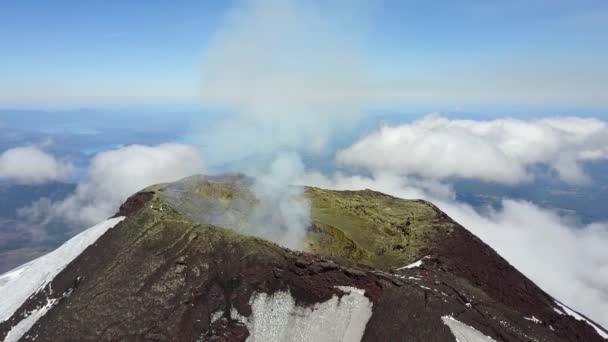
point(376, 268)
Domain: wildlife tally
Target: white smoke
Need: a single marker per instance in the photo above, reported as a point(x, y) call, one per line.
point(288, 73)
point(283, 212)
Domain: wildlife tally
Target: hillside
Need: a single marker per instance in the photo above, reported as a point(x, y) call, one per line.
point(175, 265)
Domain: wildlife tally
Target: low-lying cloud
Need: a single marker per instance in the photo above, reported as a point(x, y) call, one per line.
point(31, 165)
point(500, 150)
point(113, 176)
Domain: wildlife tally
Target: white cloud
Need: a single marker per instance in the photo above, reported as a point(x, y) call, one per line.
point(113, 176)
point(567, 260)
point(501, 150)
point(30, 165)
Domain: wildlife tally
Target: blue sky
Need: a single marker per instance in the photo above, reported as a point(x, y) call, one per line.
point(86, 53)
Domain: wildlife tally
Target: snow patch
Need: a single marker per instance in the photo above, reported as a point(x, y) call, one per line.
point(276, 317)
point(216, 315)
point(463, 332)
point(578, 317)
point(27, 323)
point(534, 319)
point(415, 264)
point(18, 285)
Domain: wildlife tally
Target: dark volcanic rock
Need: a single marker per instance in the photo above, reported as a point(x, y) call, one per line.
point(466, 256)
point(161, 276)
point(134, 203)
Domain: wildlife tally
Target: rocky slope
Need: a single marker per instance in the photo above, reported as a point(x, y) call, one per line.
point(174, 265)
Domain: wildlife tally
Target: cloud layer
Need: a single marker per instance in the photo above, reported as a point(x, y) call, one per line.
point(31, 165)
point(113, 176)
point(501, 150)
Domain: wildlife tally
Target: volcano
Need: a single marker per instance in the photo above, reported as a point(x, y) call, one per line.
point(176, 263)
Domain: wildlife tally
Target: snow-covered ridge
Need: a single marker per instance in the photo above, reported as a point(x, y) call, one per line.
point(26, 324)
point(566, 310)
point(18, 285)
